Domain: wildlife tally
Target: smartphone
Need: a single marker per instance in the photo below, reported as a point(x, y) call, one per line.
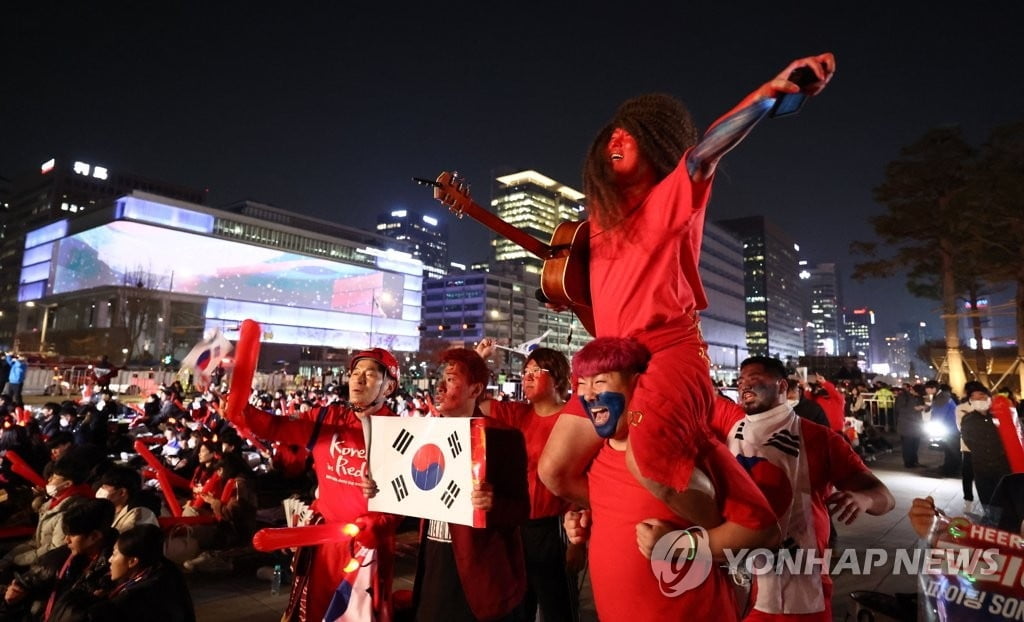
point(790, 103)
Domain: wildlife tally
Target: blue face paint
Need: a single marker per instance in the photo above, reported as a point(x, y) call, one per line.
point(615, 403)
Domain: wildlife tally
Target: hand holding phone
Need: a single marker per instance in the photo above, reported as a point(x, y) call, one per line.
point(790, 103)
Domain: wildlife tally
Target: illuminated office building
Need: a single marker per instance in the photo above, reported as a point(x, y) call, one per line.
point(58, 189)
point(823, 311)
point(723, 322)
point(423, 236)
point(463, 307)
point(535, 204)
point(147, 276)
point(774, 298)
point(858, 326)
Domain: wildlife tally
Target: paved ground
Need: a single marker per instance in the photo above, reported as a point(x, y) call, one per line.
point(241, 596)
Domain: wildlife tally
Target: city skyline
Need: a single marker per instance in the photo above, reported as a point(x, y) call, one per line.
point(331, 112)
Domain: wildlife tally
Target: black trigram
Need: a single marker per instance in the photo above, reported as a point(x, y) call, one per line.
point(398, 484)
point(450, 494)
point(455, 444)
point(402, 441)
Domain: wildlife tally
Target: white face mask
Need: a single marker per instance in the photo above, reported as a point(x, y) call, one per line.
point(100, 404)
point(792, 403)
point(102, 493)
point(981, 405)
point(64, 423)
point(53, 490)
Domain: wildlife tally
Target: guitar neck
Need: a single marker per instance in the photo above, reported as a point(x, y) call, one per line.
point(502, 228)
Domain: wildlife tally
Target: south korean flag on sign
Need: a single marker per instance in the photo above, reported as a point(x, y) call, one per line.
point(423, 467)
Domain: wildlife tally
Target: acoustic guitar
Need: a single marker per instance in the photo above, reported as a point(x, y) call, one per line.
point(565, 278)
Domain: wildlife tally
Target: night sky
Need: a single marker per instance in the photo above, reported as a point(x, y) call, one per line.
point(330, 109)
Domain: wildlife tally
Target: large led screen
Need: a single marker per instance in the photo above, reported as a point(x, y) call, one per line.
point(125, 252)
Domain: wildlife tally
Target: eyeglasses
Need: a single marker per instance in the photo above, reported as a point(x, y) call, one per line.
point(530, 374)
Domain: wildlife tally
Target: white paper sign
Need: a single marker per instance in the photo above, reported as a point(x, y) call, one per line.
point(423, 467)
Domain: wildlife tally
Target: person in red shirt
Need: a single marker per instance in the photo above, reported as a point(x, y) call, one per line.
point(826, 395)
point(466, 573)
point(648, 181)
point(551, 583)
point(335, 438)
point(625, 522)
point(807, 472)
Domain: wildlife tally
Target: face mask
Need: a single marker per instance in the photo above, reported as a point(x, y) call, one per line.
point(981, 405)
point(52, 490)
point(102, 493)
point(64, 423)
point(191, 444)
point(609, 408)
point(100, 404)
point(792, 403)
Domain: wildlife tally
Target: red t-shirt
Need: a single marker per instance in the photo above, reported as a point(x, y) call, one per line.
point(644, 271)
point(834, 405)
point(625, 587)
point(645, 283)
point(339, 455)
point(536, 430)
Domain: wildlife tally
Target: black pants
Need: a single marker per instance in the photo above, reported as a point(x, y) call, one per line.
point(986, 486)
point(549, 586)
point(951, 456)
point(910, 445)
point(967, 476)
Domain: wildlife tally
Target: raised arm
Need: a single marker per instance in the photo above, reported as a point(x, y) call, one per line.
point(733, 126)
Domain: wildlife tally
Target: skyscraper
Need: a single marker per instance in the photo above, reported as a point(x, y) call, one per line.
point(774, 300)
point(858, 326)
point(723, 323)
point(425, 237)
point(535, 204)
point(823, 312)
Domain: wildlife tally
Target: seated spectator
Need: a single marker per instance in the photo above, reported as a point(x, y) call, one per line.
point(186, 460)
point(58, 444)
point(146, 585)
point(64, 489)
point(62, 583)
point(121, 486)
point(204, 480)
point(50, 422)
point(234, 507)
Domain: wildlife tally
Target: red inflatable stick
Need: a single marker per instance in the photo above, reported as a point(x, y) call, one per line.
point(1002, 409)
point(247, 353)
point(22, 468)
point(161, 476)
point(176, 480)
point(267, 540)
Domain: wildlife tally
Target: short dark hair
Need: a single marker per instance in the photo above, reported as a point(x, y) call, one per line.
point(932, 384)
point(87, 516)
point(476, 368)
point(233, 466)
point(556, 364)
point(770, 364)
point(123, 477)
point(72, 469)
point(973, 386)
point(143, 542)
point(58, 439)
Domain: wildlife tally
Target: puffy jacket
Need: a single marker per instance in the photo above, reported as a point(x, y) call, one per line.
point(17, 373)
